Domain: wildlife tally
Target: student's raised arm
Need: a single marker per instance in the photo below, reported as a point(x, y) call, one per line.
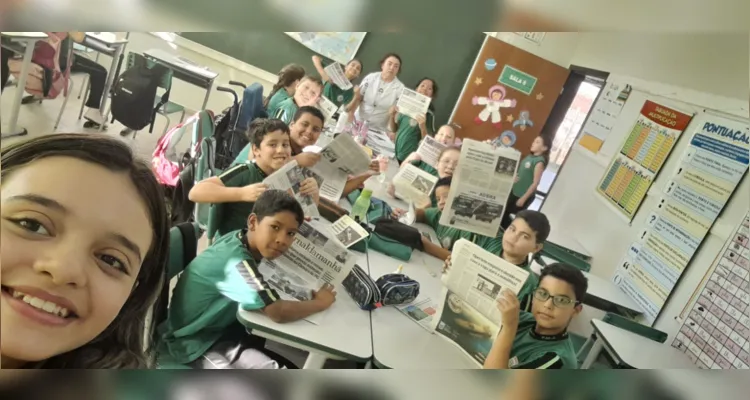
point(229, 187)
point(319, 66)
point(392, 124)
point(499, 355)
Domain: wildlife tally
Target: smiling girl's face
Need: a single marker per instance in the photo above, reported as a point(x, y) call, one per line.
point(74, 235)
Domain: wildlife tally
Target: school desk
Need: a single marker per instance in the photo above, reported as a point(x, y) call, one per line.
point(186, 70)
point(106, 43)
point(343, 334)
point(28, 39)
point(633, 350)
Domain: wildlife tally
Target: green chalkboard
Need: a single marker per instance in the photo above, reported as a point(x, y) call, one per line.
point(446, 57)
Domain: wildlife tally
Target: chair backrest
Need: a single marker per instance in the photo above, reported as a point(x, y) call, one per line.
point(166, 81)
point(632, 326)
point(213, 220)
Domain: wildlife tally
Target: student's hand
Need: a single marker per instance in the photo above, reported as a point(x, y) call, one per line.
point(509, 307)
point(251, 193)
point(325, 296)
point(397, 213)
point(515, 180)
point(421, 120)
point(393, 110)
point(309, 187)
point(392, 136)
point(447, 265)
point(423, 203)
point(374, 166)
point(391, 190)
point(519, 202)
point(412, 157)
point(316, 59)
point(307, 159)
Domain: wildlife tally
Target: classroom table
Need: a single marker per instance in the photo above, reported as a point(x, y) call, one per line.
point(186, 70)
point(633, 350)
point(29, 40)
point(106, 43)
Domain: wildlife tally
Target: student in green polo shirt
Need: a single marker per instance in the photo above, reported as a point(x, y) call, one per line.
point(337, 95)
point(307, 93)
point(539, 339)
point(446, 164)
point(289, 78)
point(528, 177)
point(410, 131)
point(240, 185)
point(203, 308)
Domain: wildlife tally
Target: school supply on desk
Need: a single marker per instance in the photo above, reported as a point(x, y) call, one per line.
point(361, 206)
point(405, 234)
point(390, 289)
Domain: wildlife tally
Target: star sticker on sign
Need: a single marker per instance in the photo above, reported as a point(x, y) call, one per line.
point(539, 96)
point(509, 118)
point(478, 81)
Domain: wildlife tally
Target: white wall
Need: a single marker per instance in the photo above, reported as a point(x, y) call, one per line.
point(557, 47)
point(572, 205)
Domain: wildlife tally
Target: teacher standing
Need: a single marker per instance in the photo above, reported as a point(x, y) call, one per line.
point(378, 92)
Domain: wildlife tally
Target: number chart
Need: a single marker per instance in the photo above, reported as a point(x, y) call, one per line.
point(716, 333)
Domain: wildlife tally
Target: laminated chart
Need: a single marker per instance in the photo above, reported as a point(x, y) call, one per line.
point(710, 169)
point(641, 156)
point(716, 333)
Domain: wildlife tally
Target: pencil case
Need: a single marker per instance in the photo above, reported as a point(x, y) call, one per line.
point(362, 289)
point(397, 289)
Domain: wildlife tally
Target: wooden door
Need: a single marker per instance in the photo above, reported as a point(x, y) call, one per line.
point(509, 93)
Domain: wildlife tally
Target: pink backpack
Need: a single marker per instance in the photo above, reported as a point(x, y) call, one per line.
point(45, 72)
point(167, 163)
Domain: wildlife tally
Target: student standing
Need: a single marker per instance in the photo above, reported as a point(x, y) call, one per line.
point(410, 131)
point(528, 177)
point(307, 93)
point(289, 77)
point(379, 92)
point(337, 95)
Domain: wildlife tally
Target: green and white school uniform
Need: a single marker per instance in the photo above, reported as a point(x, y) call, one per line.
point(526, 174)
point(534, 351)
point(338, 95)
point(234, 215)
point(208, 293)
point(276, 99)
point(430, 170)
point(409, 135)
point(495, 246)
point(286, 110)
point(446, 235)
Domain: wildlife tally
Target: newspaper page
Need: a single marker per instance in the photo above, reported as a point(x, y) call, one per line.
point(380, 143)
point(422, 311)
point(336, 74)
point(413, 184)
point(348, 231)
point(290, 178)
point(327, 108)
point(467, 313)
point(429, 150)
point(412, 104)
point(339, 158)
point(481, 185)
point(313, 260)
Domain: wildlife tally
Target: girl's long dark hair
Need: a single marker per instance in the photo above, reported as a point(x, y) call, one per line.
point(547, 140)
point(434, 90)
point(121, 344)
point(287, 75)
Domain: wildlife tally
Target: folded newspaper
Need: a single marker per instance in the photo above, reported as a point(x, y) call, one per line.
point(429, 150)
point(412, 104)
point(289, 178)
point(348, 231)
point(313, 260)
point(340, 158)
point(336, 74)
point(481, 185)
point(467, 313)
point(413, 184)
point(327, 107)
point(380, 143)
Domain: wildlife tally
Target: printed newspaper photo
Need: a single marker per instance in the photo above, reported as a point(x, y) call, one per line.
point(413, 104)
point(421, 311)
point(290, 178)
point(348, 231)
point(380, 143)
point(327, 107)
point(413, 184)
point(313, 260)
point(339, 158)
point(429, 150)
point(481, 185)
point(468, 314)
point(336, 74)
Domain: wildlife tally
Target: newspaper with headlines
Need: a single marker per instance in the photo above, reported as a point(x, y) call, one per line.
point(339, 158)
point(348, 231)
point(429, 150)
point(289, 178)
point(413, 184)
point(336, 74)
point(422, 311)
point(380, 143)
point(467, 312)
point(481, 185)
point(327, 107)
point(412, 104)
point(313, 260)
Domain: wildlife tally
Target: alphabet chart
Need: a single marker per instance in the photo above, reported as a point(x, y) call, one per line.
point(716, 333)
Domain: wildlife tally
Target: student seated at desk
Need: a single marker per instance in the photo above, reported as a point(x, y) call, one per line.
point(446, 164)
point(202, 328)
point(539, 339)
point(241, 185)
point(307, 93)
point(289, 78)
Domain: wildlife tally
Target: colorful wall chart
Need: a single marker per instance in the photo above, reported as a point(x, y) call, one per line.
point(603, 116)
point(641, 156)
point(710, 170)
point(716, 333)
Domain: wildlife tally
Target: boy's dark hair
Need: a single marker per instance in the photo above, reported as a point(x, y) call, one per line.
point(396, 56)
point(538, 222)
point(444, 182)
point(272, 202)
point(570, 274)
point(309, 110)
point(260, 127)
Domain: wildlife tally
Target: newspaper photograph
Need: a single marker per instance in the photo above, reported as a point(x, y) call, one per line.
point(380, 143)
point(481, 185)
point(421, 311)
point(327, 107)
point(412, 104)
point(290, 178)
point(348, 231)
point(336, 73)
point(313, 260)
point(413, 184)
point(340, 158)
point(429, 150)
point(468, 314)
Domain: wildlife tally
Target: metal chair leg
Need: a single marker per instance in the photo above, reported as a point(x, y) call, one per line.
point(182, 117)
point(583, 348)
point(65, 102)
point(166, 127)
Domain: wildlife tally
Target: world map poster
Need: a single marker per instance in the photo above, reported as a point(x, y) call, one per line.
point(338, 46)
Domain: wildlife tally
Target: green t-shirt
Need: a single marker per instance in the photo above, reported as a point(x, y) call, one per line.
point(276, 99)
point(526, 174)
point(234, 215)
point(534, 351)
point(286, 110)
point(446, 234)
point(206, 298)
point(408, 134)
point(338, 95)
point(432, 171)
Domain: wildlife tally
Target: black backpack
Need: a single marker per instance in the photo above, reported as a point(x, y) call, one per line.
point(134, 92)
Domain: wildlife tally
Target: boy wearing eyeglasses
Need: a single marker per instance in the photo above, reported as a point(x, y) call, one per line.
point(539, 339)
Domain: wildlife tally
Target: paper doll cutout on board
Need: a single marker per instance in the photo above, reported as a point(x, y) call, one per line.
point(523, 121)
point(492, 103)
